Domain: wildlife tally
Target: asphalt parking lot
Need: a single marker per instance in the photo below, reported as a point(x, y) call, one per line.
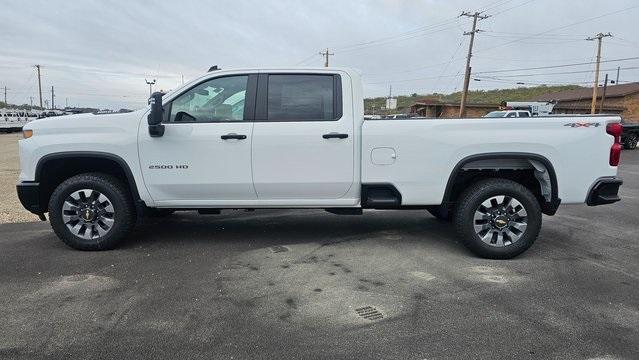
point(289, 284)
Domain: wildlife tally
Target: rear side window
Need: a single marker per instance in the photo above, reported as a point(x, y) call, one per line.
point(303, 97)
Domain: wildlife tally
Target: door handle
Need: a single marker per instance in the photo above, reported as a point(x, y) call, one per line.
point(233, 136)
point(335, 135)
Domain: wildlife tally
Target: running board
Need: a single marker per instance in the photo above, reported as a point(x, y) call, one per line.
point(381, 196)
point(345, 211)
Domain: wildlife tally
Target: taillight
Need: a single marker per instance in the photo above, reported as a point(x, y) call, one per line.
point(615, 129)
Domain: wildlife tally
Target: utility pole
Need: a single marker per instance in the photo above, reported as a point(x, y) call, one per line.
point(5, 95)
point(476, 16)
point(617, 80)
point(52, 98)
point(598, 37)
point(150, 83)
point(31, 101)
point(39, 85)
point(326, 54)
point(603, 95)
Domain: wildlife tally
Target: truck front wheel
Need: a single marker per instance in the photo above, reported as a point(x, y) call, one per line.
point(91, 211)
point(497, 218)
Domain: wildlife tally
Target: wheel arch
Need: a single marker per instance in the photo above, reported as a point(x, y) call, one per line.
point(548, 203)
point(54, 168)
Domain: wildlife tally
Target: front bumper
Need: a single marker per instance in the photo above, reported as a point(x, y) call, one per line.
point(604, 191)
point(29, 195)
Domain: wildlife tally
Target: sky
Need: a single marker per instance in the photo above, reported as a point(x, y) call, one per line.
point(99, 53)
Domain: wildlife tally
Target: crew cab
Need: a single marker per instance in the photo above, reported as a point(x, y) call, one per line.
point(297, 138)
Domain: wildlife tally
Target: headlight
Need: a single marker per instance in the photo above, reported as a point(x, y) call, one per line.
point(27, 133)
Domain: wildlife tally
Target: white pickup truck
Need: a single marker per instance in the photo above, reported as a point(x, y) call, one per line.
point(296, 138)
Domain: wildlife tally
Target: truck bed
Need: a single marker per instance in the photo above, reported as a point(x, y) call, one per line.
point(417, 155)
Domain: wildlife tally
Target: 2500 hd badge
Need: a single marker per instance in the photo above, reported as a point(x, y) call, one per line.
point(168, 167)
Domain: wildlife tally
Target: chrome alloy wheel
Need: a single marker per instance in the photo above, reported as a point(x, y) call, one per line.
point(500, 221)
point(88, 214)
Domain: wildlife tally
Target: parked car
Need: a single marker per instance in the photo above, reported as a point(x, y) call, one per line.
point(630, 135)
point(285, 138)
point(398, 116)
point(508, 114)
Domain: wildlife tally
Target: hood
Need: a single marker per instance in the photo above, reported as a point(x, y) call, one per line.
point(85, 122)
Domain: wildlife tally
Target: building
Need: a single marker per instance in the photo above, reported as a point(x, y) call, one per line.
point(620, 99)
point(435, 108)
point(391, 103)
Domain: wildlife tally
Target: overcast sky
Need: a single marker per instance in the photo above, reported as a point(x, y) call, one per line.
point(98, 53)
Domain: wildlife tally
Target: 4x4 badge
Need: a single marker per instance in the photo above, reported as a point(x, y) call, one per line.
point(577, 125)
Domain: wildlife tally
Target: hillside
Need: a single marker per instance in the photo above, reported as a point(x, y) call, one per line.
point(476, 96)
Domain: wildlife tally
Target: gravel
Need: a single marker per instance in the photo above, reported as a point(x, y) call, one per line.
point(11, 211)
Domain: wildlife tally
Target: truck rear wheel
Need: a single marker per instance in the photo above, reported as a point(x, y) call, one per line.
point(497, 218)
point(91, 211)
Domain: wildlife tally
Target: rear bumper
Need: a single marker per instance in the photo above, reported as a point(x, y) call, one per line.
point(29, 195)
point(604, 191)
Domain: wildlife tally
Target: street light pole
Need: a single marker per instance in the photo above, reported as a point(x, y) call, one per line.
point(150, 83)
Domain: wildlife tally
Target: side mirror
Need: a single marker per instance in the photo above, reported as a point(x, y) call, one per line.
point(156, 129)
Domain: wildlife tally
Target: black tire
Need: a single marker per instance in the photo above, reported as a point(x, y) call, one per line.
point(470, 201)
point(124, 216)
point(440, 212)
point(158, 213)
point(630, 143)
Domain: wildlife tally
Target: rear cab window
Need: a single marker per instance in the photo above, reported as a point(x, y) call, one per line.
point(299, 97)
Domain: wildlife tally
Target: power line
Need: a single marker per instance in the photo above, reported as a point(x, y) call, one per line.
point(518, 34)
point(562, 27)
point(513, 7)
point(554, 66)
point(394, 39)
point(307, 59)
point(558, 73)
point(427, 29)
point(448, 63)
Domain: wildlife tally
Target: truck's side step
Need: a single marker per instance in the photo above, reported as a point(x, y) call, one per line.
point(381, 196)
point(208, 211)
point(345, 211)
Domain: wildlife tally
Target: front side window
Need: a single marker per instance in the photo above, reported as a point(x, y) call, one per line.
point(523, 114)
point(220, 99)
point(300, 97)
point(512, 114)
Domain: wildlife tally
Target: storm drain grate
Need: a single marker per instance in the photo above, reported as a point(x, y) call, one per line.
point(279, 249)
point(369, 313)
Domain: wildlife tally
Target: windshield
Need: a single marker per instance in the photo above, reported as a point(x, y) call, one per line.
point(495, 114)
